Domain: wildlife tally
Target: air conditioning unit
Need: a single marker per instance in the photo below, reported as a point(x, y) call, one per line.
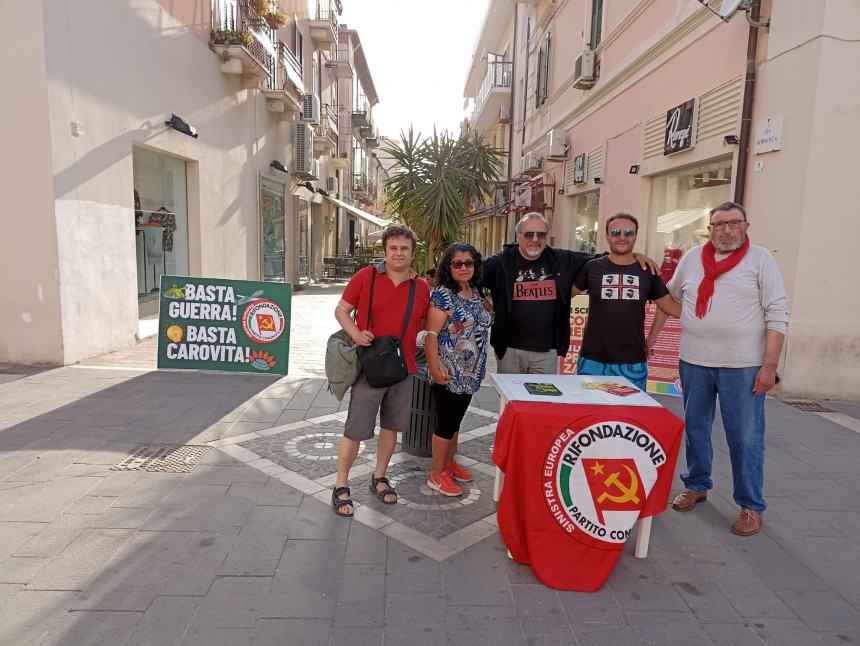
point(311, 109)
point(332, 185)
point(505, 113)
point(303, 149)
point(555, 140)
point(523, 195)
point(583, 71)
point(531, 164)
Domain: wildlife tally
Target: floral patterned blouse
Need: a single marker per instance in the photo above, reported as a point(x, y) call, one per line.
point(464, 340)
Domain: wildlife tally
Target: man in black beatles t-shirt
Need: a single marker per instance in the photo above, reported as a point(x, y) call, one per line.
point(530, 284)
point(618, 288)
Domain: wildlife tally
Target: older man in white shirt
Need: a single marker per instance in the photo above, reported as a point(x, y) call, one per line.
point(733, 323)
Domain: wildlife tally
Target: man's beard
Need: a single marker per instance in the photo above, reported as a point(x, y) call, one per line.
point(533, 253)
point(728, 248)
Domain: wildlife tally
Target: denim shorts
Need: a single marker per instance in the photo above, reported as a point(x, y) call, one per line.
point(635, 372)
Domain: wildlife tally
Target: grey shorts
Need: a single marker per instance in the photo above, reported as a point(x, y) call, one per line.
point(393, 403)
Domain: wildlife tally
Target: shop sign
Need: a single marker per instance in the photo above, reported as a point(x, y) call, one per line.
point(663, 377)
point(681, 127)
point(768, 135)
point(579, 169)
point(217, 324)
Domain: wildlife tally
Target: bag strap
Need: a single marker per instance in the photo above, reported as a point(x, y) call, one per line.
point(408, 308)
point(370, 300)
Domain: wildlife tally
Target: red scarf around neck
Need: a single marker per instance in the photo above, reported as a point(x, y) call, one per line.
point(715, 269)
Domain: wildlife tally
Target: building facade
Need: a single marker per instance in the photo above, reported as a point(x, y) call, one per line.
point(638, 107)
point(206, 139)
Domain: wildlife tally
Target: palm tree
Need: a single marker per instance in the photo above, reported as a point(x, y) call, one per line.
point(434, 180)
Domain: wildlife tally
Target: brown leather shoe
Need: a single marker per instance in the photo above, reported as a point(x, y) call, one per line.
point(748, 523)
point(687, 499)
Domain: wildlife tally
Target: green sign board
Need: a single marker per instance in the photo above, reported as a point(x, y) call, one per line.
point(219, 324)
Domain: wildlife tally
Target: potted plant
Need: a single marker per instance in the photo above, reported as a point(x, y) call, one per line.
point(276, 18)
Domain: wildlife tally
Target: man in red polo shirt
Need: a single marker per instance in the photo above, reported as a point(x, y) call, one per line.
point(392, 403)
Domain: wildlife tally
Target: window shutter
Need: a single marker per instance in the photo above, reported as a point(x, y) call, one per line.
point(546, 60)
point(539, 77)
point(596, 22)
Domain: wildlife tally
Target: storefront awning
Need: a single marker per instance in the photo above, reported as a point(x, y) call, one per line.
point(364, 215)
point(673, 220)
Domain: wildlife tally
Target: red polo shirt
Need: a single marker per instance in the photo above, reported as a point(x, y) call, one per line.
point(389, 306)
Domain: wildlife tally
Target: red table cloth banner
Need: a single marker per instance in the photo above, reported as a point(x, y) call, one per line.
point(577, 477)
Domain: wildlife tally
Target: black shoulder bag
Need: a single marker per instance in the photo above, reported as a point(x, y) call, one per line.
point(383, 362)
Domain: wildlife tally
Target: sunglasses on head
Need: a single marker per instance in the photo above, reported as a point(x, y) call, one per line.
point(627, 233)
point(460, 264)
point(530, 235)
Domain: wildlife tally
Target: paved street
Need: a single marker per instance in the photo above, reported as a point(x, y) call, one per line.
point(233, 542)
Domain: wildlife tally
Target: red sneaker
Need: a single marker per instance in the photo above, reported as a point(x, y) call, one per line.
point(444, 484)
point(459, 473)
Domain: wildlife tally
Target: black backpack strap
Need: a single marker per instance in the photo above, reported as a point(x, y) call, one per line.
point(408, 308)
point(370, 300)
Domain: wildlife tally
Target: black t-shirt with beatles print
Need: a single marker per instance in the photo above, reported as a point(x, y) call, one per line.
point(533, 305)
point(615, 331)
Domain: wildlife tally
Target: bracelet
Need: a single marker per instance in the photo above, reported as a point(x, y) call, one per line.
point(436, 334)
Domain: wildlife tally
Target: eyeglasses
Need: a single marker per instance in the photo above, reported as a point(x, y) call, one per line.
point(461, 264)
point(627, 233)
point(531, 235)
point(731, 224)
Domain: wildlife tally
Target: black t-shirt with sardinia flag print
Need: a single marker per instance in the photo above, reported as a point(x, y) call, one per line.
point(615, 331)
point(533, 305)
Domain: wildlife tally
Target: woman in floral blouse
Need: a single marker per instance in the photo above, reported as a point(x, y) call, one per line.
point(456, 347)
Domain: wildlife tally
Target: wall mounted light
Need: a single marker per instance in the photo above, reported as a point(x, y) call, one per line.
point(598, 180)
point(278, 165)
point(634, 169)
point(180, 125)
point(732, 140)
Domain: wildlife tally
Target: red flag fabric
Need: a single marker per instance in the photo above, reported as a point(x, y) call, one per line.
point(577, 477)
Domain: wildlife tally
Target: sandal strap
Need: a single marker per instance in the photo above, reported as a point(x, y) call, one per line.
point(340, 490)
point(339, 502)
point(383, 480)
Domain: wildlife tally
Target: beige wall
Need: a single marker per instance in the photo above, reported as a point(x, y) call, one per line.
point(803, 202)
point(30, 329)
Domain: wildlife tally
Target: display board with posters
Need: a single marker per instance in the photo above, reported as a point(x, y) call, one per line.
point(663, 377)
point(219, 324)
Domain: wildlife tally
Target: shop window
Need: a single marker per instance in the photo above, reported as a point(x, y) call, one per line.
point(304, 242)
point(584, 233)
point(273, 229)
point(161, 219)
point(678, 212)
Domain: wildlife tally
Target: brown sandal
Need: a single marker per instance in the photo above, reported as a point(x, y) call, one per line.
point(337, 502)
point(381, 493)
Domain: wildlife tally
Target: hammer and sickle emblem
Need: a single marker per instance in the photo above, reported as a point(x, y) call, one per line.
point(267, 324)
point(628, 493)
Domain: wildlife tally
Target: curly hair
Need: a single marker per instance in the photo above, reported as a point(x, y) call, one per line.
point(444, 278)
point(398, 231)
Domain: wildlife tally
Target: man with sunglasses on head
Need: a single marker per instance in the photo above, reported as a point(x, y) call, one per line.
point(733, 324)
point(618, 289)
point(530, 284)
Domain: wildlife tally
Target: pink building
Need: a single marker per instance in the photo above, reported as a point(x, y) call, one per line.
point(637, 106)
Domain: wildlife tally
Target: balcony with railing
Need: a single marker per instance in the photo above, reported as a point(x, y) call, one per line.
point(495, 91)
point(340, 60)
point(245, 42)
point(323, 25)
point(285, 89)
point(359, 185)
point(326, 135)
point(361, 112)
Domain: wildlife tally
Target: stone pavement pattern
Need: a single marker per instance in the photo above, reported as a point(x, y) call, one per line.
point(229, 553)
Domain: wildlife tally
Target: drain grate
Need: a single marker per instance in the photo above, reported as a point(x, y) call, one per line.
point(810, 407)
point(167, 458)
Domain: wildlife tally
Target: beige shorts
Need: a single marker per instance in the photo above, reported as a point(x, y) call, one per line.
point(393, 403)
